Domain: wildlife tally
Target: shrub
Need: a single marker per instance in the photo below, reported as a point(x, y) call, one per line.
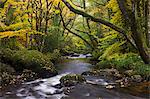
point(128, 61)
point(104, 64)
point(55, 56)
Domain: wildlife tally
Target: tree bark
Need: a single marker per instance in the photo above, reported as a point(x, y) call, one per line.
point(132, 23)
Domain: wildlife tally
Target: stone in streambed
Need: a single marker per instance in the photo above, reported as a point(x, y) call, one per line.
point(103, 72)
point(129, 72)
point(136, 78)
point(71, 80)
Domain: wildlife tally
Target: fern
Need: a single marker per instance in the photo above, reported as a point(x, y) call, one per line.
point(114, 48)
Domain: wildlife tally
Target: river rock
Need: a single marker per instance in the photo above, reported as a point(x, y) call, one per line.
point(129, 72)
point(75, 55)
point(71, 80)
point(102, 72)
point(91, 72)
point(136, 78)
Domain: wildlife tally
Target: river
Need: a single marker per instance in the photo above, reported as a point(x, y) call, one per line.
point(50, 88)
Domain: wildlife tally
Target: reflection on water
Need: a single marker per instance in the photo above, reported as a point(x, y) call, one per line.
point(74, 66)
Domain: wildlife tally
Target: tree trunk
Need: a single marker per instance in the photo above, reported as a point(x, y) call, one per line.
point(131, 22)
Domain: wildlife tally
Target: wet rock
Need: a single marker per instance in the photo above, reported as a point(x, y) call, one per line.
point(129, 72)
point(103, 72)
point(59, 86)
point(67, 90)
point(75, 55)
point(136, 78)
point(91, 82)
point(97, 82)
point(110, 86)
point(71, 80)
point(92, 72)
point(88, 55)
point(118, 76)
point(124, 82)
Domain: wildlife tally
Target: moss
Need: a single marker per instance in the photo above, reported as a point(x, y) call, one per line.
point(128, 61)
point(6, 74)
point(71, 79)
point(29, 59)
point(6, 68)
point(103, 65)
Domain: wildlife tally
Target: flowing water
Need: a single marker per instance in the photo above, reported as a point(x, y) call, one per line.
point(50, 88)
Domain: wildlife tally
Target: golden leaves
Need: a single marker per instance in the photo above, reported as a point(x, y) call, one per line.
point(112, 4)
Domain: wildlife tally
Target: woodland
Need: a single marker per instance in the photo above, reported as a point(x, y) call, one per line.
point(37, 34)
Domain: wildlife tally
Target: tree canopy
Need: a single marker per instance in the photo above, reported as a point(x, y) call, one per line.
point(103, 26)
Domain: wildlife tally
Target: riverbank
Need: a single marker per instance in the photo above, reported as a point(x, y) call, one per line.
point(19, 66)
point(93, 86)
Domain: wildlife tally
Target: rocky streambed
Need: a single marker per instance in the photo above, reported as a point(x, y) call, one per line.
point(76, 81)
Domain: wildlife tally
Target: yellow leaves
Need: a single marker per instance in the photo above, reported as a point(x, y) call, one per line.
point(67, 13)
point(17, 26)
point(2, 25)
point(55, 2)
point(117, 17)
point(57, 11)
point(19, 33)
point(112, 4)
point(13, 33)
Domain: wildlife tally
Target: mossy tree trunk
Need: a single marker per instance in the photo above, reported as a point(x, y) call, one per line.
point(132, 23)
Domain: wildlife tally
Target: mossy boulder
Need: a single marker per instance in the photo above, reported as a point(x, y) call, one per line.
point(29, 59)
point(6, 68)
point(71, 80)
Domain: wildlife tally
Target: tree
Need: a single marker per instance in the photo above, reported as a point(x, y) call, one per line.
point(131, 21)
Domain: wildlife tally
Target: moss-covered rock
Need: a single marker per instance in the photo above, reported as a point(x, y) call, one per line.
point(6, 68)
point(29, 59)
point(6, 74)
point(103, 72)
point(71, 80)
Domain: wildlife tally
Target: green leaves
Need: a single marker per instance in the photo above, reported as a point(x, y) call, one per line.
point(112, 49)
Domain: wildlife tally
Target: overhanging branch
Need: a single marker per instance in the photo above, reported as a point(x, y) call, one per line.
point(72, 31)
point(114, 27)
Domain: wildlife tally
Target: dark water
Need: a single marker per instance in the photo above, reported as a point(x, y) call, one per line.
point(49, 88)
